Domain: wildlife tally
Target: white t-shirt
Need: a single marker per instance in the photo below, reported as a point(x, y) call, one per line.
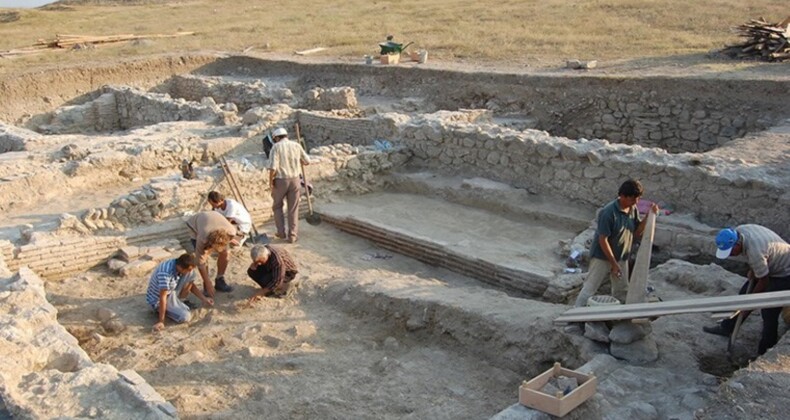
point(235, 212)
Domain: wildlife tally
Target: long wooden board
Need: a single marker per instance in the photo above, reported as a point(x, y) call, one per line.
point(637, 285)
point(686, 306)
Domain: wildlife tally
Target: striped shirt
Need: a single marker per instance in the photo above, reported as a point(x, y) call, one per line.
point(285, 159)
point(280, 268)
point(767, 253)
point(164, 277)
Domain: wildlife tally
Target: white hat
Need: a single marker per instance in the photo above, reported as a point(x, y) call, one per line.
point(279, 132)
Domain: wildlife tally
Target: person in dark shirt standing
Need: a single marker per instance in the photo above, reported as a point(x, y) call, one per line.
point(273, 269)
point(618, 224)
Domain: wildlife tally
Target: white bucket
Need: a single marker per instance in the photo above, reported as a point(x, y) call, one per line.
point(423, 57)
point(602, 300)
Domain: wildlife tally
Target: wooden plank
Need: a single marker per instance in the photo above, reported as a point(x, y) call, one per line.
point(637, 285)
point(687, 306)
point(310, 51)
point(741, 316)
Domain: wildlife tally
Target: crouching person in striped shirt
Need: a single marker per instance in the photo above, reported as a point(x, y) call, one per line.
point(273, 269)
point(171, 281)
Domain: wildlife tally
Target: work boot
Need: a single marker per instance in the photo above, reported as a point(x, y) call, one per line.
point(221, 286)
point(717, 330)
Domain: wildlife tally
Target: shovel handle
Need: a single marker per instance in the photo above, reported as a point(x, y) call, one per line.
point(304, 176)
point(741, 316)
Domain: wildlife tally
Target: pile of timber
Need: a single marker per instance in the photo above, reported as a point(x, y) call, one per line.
point(765, 41)
point(65, 42)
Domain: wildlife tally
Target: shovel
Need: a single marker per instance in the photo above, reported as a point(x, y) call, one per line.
point(234, 188)
point(312, 217)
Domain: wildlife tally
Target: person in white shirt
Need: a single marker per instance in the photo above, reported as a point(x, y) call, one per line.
point(285, 162)
point(233, 211)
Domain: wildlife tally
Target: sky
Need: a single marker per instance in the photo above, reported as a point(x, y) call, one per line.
point(24, 3)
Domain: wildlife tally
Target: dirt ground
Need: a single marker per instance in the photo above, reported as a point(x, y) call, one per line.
point(299, 357)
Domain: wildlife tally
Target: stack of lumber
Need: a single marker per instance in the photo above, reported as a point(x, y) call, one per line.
point(765, 41)
point(63, 42)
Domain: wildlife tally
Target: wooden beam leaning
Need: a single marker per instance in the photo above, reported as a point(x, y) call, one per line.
point(637, 285)
point(686, 306)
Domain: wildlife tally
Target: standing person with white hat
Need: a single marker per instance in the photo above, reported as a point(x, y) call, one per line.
point(285, 161)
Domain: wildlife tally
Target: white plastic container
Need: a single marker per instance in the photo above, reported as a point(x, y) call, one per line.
point(602, 300)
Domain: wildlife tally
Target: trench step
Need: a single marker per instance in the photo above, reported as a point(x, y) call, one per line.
point(517, 256)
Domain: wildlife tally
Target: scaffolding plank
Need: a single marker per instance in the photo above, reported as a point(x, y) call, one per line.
point(686, 306)
point(637, 285)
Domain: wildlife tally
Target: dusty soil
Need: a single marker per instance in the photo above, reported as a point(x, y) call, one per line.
point(300, 357)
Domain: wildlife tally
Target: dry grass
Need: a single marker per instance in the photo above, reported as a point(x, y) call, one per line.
point(501, 31)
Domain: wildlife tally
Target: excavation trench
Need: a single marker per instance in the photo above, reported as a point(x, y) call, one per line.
point(370, 334)
point(430, 290)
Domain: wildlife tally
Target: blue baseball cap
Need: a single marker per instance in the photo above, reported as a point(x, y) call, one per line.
point(725, 240)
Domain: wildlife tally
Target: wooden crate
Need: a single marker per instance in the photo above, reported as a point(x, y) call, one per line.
point(390, 58)
point(557, 405)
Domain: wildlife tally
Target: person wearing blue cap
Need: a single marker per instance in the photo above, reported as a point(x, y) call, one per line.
point(768, 256)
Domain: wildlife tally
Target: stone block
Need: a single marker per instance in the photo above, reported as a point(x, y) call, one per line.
point(131, 376)
point(627, 332)
point(157, 254)
point(138, 268)
point(128, 253)
point(642, 351)
point(255, 352)
point(105, 314)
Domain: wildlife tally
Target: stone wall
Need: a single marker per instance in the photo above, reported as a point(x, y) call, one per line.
point(676, 125)
point(679, 114)
point(137, 108)
point(48, 375)
point(100, 114)
point(321, 128)
point(719, 191)
point(247, 94)
point(122, 108)
point(335, 168)
point(320, 99)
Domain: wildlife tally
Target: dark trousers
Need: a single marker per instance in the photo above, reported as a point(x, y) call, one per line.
point(286, 190)
point(770, 316)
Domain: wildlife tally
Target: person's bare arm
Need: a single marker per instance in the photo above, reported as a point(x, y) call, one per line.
point(258, 295)
point(760, 285)
point(607, 251)
point(160, 325)
point(205, 299)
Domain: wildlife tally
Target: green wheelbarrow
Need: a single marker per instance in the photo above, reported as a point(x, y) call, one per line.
point(390, 47)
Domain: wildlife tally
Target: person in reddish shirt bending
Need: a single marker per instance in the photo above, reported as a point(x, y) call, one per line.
point(273, 269)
